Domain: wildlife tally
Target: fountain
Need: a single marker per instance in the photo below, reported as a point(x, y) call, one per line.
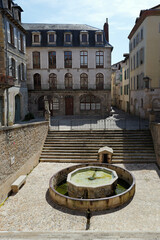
point(96, 186)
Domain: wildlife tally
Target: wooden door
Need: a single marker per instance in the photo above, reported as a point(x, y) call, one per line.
point(69, 105)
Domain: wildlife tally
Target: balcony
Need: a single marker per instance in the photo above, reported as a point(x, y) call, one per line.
point(6, 81)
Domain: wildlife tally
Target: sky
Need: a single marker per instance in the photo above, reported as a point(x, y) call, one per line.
point(121, 16)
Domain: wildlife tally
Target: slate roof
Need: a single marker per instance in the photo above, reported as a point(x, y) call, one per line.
point(60, 29)
point(1, 6)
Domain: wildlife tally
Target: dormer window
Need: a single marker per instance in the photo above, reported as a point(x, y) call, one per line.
point(52, 37)
point(36, 38)
point(68, 38)
point(99, 37)
point(84, 38)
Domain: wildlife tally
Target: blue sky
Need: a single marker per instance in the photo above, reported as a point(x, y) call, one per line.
point(120, 13)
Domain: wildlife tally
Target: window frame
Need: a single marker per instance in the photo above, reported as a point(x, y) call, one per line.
point(52, 81)
point(84, 81)
point(37, 81)
point(68, 81)
point(83, 59)
point(67, 59)
point(52, 59)
point(99, 59)
point(99, 81)
point(36, 60)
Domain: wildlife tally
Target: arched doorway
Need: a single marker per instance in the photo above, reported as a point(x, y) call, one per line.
point(17, 108)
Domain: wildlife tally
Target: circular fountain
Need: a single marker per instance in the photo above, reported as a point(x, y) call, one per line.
point(92, 186)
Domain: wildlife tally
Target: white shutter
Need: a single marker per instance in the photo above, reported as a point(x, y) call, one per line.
point(15, 37)
point(8, 33)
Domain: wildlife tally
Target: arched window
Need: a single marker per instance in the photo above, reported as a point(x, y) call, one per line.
point(68, 81)
point(41, 103)
point(53, 81)
point(90, 102)
point(37, 81)
point(84, 81)
point(36, 59)
point(99, 81)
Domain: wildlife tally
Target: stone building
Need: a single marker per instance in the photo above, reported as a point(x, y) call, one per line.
point(69, 65)
point(116, 84)
point(145, 63)
point(13, 88)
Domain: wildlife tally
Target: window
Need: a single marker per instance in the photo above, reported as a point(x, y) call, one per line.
point(99, 81)
point(90, 102)
point(67, 38)
point(52, 59)
point(84, 38)
point(36, 38)
point(13, 67)
point(52, 81)
point(52, 37)
point(68, 81)
point(99, 59)
point(9, 4)
point(11, 34)
point(36, 59)
point(22, 72)
point(21, 42)
point(37, 81)
point(142, 34)
point(55, 103)
point(141, 102)
point(68, 59)
point(41, 103)
point(99, 37)
point(141, 55)
point(137, 59)
point(83, 59)
point(84, 81)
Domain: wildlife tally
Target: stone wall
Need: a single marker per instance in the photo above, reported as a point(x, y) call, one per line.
point(155, 131)
point(20, 149)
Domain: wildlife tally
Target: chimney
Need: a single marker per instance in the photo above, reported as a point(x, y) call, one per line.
point(106, 30)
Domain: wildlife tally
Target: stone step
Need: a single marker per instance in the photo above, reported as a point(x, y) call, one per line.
point(68, 160)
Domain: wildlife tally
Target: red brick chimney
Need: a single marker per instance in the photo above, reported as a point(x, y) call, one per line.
point(106, 30)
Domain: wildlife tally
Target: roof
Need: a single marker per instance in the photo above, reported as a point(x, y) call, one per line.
point(1, 6)
point(42, 26)
point(60, 29)
point(155, 11)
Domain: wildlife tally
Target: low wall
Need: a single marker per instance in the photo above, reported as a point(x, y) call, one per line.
point(20, 149)
point(155, 131)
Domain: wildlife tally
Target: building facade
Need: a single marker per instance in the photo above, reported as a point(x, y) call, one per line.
point(13, 87)
point(145, 63)
point(70, 66)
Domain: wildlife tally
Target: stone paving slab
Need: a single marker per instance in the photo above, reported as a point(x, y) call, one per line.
point(31, 209)
point(143, 212)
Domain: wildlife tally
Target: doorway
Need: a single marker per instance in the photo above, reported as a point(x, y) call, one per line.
point(17, 108)
point(69, 105)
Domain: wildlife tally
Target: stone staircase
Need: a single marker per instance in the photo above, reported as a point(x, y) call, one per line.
point(129, 146)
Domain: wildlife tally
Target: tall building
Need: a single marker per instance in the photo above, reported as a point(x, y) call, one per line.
point(13, 88)
point(69, 65)
point(145, 63)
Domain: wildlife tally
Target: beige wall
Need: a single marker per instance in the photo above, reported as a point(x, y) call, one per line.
point(23, 145)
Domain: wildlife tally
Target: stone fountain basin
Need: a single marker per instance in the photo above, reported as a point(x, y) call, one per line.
point(82, 184)
point(92, 204)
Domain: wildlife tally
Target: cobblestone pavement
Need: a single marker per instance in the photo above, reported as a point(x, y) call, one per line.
point(31, 210)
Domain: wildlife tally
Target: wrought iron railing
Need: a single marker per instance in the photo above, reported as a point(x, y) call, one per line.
point(63, 87)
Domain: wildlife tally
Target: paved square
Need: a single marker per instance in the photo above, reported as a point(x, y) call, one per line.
point(31, 209)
